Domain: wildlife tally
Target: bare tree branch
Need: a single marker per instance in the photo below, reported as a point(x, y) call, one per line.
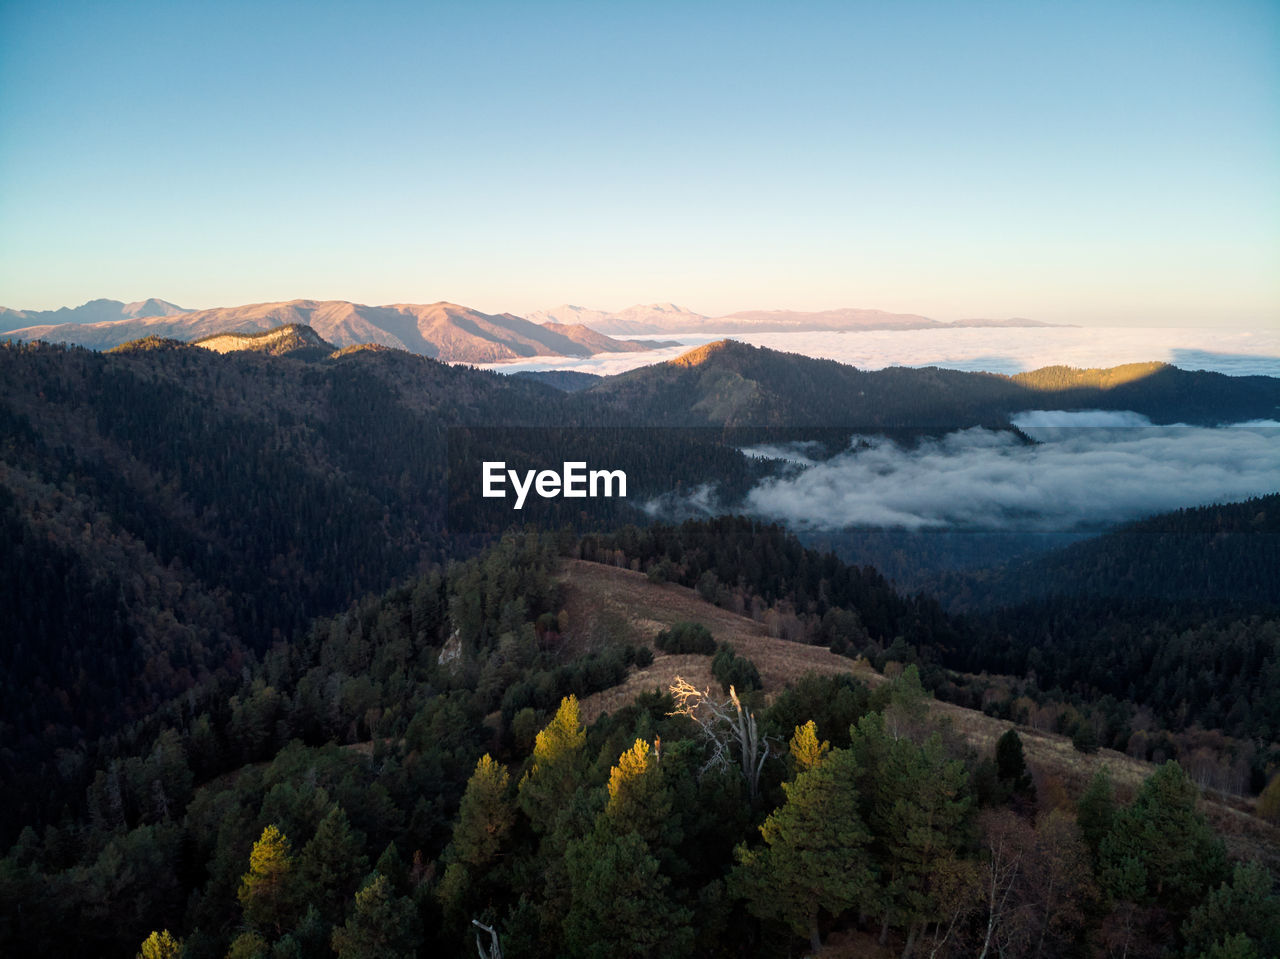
point(724, 725)
point(495, 949)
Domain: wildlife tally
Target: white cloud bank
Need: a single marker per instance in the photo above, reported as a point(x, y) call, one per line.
point(1075, 478)
point(994, 350)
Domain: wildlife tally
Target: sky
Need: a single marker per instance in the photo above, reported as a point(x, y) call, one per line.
point(1099, 163)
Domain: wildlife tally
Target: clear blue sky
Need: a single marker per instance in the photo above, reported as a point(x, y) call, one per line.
point(1089, 162)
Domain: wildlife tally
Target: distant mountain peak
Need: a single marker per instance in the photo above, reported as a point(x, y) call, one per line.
point(664, 308)
point(94, 311)
point(152, 306)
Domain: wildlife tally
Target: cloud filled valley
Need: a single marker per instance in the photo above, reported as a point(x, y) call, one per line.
point(1084, 471)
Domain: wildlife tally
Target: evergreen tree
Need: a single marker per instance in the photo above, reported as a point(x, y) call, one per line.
point(249, 945)
point(332, 864)
point(1085, 738)
point(806, 751)
point(552, 777)
point(1011, 769)
point(814, 855)
point(484, 820)
point(1238, 946)
point(639, 802)
point(1268, 806)
point(484, 816)
point(267, 891)
point(382, 925)
point(917, 809)
point(1247, 906)
point(391, 865)
point(160, 945)
point(1165, 833)
point(1096, 811)
point(620, 901)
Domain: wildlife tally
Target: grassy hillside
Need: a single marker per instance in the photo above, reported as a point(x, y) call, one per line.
point(609, 605)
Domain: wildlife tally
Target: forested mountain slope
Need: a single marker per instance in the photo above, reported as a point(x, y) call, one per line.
point(1178, 614)
point(1224, 554)
point(203, 505)
point(733, 384)
point(179, 526)
point(168, 509)
point(235, 821)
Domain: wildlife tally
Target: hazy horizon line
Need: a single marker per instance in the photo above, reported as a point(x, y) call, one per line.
point(936, 316)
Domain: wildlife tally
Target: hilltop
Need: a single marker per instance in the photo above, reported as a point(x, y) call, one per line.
point(294, 338)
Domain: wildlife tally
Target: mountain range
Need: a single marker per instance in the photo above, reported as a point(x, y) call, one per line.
point(443, 331)
point(95, 311)
point(669, 318)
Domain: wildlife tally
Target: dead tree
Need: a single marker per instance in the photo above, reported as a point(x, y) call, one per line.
point(725, 725)
point(494, 951)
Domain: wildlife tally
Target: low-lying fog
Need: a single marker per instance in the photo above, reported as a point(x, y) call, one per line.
point(994, 350)
point(1086, 471)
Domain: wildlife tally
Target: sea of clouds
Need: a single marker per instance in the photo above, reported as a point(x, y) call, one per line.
point(994, 350)
point(1087, 470)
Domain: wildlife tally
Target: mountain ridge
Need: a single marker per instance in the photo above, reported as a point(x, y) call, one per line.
point(732, 384)
point(95, 311)
point(443, 330)
point(646, 319)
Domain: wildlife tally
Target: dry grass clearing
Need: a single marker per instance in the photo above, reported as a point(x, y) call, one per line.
point(605, 603)
point(620, 605)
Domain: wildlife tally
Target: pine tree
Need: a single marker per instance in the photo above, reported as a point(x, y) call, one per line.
point(639, 801)
point(1096, 811)
point(917, 806)
point(485, 814)
point(552, 777)
point(485, 817)
point(1268, 806)
point(1245, 906)
point(1011, 768)
point(806, 751)
point(382, 925)
point(1238, 946)
point(332, 863)
point(391, 865)
point(814, 855)
point(1165, 833)
point(267, 890)
point(249, 945)
point(161, 945)
point(620, 902)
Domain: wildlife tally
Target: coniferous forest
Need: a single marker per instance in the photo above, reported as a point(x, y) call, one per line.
point(273, 687)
